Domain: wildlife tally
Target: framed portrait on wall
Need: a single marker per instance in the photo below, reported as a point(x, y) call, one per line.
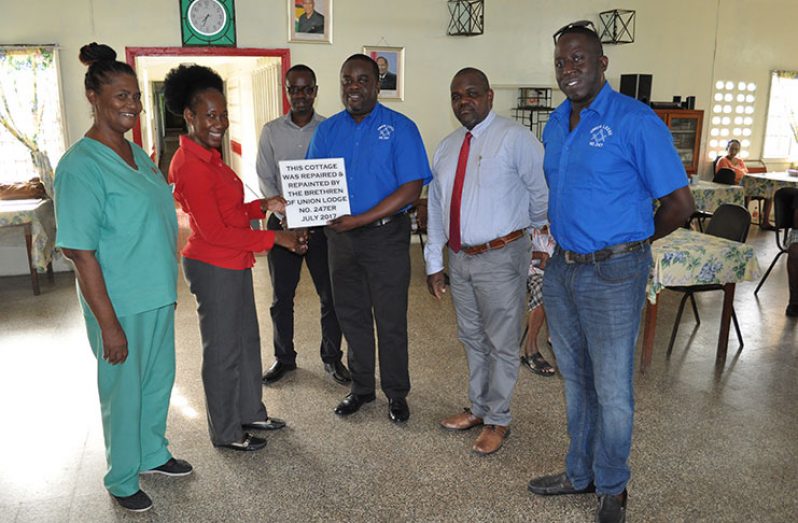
point(310, 21)
point(391, 62)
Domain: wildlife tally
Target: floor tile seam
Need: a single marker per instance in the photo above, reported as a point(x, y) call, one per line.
point(73, 493)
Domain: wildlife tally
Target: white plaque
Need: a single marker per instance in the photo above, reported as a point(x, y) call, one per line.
point(315, 191)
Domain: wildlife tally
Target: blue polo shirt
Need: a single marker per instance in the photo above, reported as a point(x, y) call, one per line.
point(604, 174)
point(381, 153)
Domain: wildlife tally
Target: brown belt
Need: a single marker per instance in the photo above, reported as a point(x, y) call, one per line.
point(492, 245)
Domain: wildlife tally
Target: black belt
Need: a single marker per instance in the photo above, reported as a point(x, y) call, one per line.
point(603, 254)
point(386, 219)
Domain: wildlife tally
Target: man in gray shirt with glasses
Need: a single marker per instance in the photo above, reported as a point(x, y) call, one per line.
point(287, 138)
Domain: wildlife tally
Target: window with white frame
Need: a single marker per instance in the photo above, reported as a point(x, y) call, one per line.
point(732, 116)
point(32, 136)
point(781, 131)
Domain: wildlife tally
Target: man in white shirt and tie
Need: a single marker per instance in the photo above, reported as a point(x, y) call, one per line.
point(488, 190)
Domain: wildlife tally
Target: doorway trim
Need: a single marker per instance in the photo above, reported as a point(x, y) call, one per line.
point(131, 53)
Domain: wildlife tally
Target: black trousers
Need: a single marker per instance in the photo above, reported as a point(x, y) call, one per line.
point(285, 268)
point(370, 269)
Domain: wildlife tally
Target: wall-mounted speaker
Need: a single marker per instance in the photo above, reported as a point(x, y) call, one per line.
point(637, 86)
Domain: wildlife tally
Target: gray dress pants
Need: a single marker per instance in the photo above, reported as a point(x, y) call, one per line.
point(489, 296)
point(231, 363)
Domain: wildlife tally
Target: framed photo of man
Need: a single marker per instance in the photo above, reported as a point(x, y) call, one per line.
point(391, 63)
point(310, 21)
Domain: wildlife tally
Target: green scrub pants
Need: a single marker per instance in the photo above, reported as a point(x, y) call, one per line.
point(134, 396)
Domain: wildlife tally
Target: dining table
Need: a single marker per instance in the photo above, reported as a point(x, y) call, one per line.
point(765, 185)
point(36, 217)
point(687, 257)
point(708, 196)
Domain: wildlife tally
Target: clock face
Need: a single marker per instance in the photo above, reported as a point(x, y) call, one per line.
point(207, 17)
point(208, 23)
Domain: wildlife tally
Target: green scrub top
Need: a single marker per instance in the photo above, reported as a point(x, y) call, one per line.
point(127, 216)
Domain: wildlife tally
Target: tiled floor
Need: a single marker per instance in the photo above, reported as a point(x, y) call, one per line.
point(710, 444)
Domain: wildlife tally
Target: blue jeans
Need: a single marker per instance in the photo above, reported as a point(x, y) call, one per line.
point(593, 312)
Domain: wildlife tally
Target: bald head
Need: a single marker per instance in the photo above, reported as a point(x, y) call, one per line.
point(472, 97)
point(478, 76)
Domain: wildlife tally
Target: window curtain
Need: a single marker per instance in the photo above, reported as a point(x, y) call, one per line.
point(786, 80)
point(25, 72)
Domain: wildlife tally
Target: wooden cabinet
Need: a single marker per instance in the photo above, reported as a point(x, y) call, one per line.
point(685, 127)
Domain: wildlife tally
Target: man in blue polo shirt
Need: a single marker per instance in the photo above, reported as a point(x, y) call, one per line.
point(386, 166)
point(607, 156)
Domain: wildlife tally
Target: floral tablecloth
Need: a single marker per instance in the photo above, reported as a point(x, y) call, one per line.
point(765, 184)
point(687, 257)
point(40, 214)
point(709, 196)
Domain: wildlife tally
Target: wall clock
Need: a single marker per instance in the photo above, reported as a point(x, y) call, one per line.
point(208, 22)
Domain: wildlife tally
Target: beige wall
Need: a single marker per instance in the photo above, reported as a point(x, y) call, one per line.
point(675, 41)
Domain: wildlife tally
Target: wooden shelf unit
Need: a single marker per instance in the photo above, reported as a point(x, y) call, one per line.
point(685, 126)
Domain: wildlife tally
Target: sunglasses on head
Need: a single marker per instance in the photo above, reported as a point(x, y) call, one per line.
point(587, 24)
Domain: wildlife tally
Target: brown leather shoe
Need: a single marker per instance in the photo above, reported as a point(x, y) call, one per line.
point(463, 421)
point(490, 439)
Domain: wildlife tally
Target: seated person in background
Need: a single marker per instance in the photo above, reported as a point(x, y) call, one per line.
point(730, 161)
point(542, 248)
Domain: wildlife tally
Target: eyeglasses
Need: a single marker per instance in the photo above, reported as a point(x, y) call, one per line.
point(586, 24)
point(305, 89)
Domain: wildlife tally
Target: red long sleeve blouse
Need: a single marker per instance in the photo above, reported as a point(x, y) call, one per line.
point(212, 195)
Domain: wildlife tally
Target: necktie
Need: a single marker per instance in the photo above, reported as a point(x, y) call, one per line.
point(457, 195)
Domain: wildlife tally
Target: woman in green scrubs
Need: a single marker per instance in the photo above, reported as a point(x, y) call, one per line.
point(116, 223)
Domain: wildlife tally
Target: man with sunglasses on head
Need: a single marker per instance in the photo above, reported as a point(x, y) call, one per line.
point(287, 138)
point(606, 157)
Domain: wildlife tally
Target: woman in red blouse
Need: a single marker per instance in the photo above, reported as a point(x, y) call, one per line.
point(730, 161)
point(218, 258)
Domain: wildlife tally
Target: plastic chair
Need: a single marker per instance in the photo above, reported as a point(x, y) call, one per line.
point(730, 222)
point(725, 176)
point(784, 211)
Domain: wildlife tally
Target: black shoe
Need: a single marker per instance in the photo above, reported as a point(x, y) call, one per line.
point(249, 443)
point(556, 485)
point(352, 403)
point(398, 410)
point(267, 424)
point(338, 372)
point(173, 467)
point(138, 502)
point(611, 509)
point(792, 311)
point(277, 371)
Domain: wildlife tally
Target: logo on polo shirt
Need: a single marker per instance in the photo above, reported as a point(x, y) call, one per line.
point(385, 131)
point(599, 134)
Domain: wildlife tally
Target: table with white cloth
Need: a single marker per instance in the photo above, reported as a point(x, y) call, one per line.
point(765, 185)
point(37, 219)
point(708, 196)
point(686, 257)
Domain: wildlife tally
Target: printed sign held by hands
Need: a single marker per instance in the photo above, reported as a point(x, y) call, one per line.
point(315, 191)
